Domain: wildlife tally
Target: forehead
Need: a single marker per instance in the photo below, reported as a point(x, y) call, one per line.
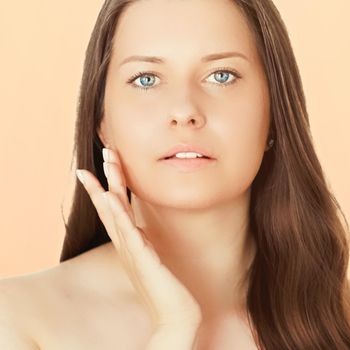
point(182, 27)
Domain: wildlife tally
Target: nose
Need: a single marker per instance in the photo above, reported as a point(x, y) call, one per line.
point(196, 121)
point(187, 111)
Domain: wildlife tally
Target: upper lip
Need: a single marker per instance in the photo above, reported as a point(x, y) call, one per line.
point(186, 147)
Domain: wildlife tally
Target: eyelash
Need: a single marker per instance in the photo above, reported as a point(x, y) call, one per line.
point(226, 70)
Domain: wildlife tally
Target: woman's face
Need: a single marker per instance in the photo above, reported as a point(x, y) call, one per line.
point(186, 100)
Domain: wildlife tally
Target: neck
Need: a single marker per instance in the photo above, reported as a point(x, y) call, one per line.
point(208, 250)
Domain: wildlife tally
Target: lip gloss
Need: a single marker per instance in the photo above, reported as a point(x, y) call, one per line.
point(188, 164)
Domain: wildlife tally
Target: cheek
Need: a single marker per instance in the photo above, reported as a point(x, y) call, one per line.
point(131, 125)
point(243, 137)
point(246, 119)
point(129, 116)
point(244, 133)
point(131, 130)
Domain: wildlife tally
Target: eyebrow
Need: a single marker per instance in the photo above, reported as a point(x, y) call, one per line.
point(160, 60)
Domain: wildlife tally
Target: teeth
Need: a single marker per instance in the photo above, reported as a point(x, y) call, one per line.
point(188, 155)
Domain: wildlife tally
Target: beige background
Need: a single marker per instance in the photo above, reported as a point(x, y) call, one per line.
point(42, 45)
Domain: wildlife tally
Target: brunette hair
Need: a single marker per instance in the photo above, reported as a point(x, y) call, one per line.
point(298, 294)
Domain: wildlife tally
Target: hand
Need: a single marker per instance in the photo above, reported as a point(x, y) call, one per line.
point(169, 301)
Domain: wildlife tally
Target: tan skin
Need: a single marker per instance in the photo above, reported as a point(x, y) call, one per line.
point(203, 211)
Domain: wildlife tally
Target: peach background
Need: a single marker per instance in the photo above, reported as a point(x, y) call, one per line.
point(42, 51)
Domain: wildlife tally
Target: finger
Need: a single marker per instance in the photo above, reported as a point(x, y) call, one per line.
point(116, 179)
point(116, 185)
point(111, 156)
point(134, 242)
point(117, 221)
point(97, 196)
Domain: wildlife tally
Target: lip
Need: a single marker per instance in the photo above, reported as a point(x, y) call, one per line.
point(186, 147)
point(188, 164)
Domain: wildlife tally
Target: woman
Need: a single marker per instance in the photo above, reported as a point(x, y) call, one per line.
point(240, 249)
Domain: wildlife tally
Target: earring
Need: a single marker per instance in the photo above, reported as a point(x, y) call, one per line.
point(270, 144)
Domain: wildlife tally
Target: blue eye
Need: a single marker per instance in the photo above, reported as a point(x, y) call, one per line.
point(143, 79)
point(146, 77)
point(223, 74)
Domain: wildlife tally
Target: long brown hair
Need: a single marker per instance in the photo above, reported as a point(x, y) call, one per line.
point(298, 296)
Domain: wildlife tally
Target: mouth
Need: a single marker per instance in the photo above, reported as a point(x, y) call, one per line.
point(174, 157)
point(188, 164)
point(202, 152)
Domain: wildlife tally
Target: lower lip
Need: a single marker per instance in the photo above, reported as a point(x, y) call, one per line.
point(188, 163)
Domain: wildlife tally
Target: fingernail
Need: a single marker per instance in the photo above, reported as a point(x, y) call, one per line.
point(105, 154)
point(80, 176)
point(105, 168)
point(110, 156)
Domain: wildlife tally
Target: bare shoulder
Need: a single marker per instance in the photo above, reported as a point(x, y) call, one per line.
point(80, 301)
point(14, 332)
